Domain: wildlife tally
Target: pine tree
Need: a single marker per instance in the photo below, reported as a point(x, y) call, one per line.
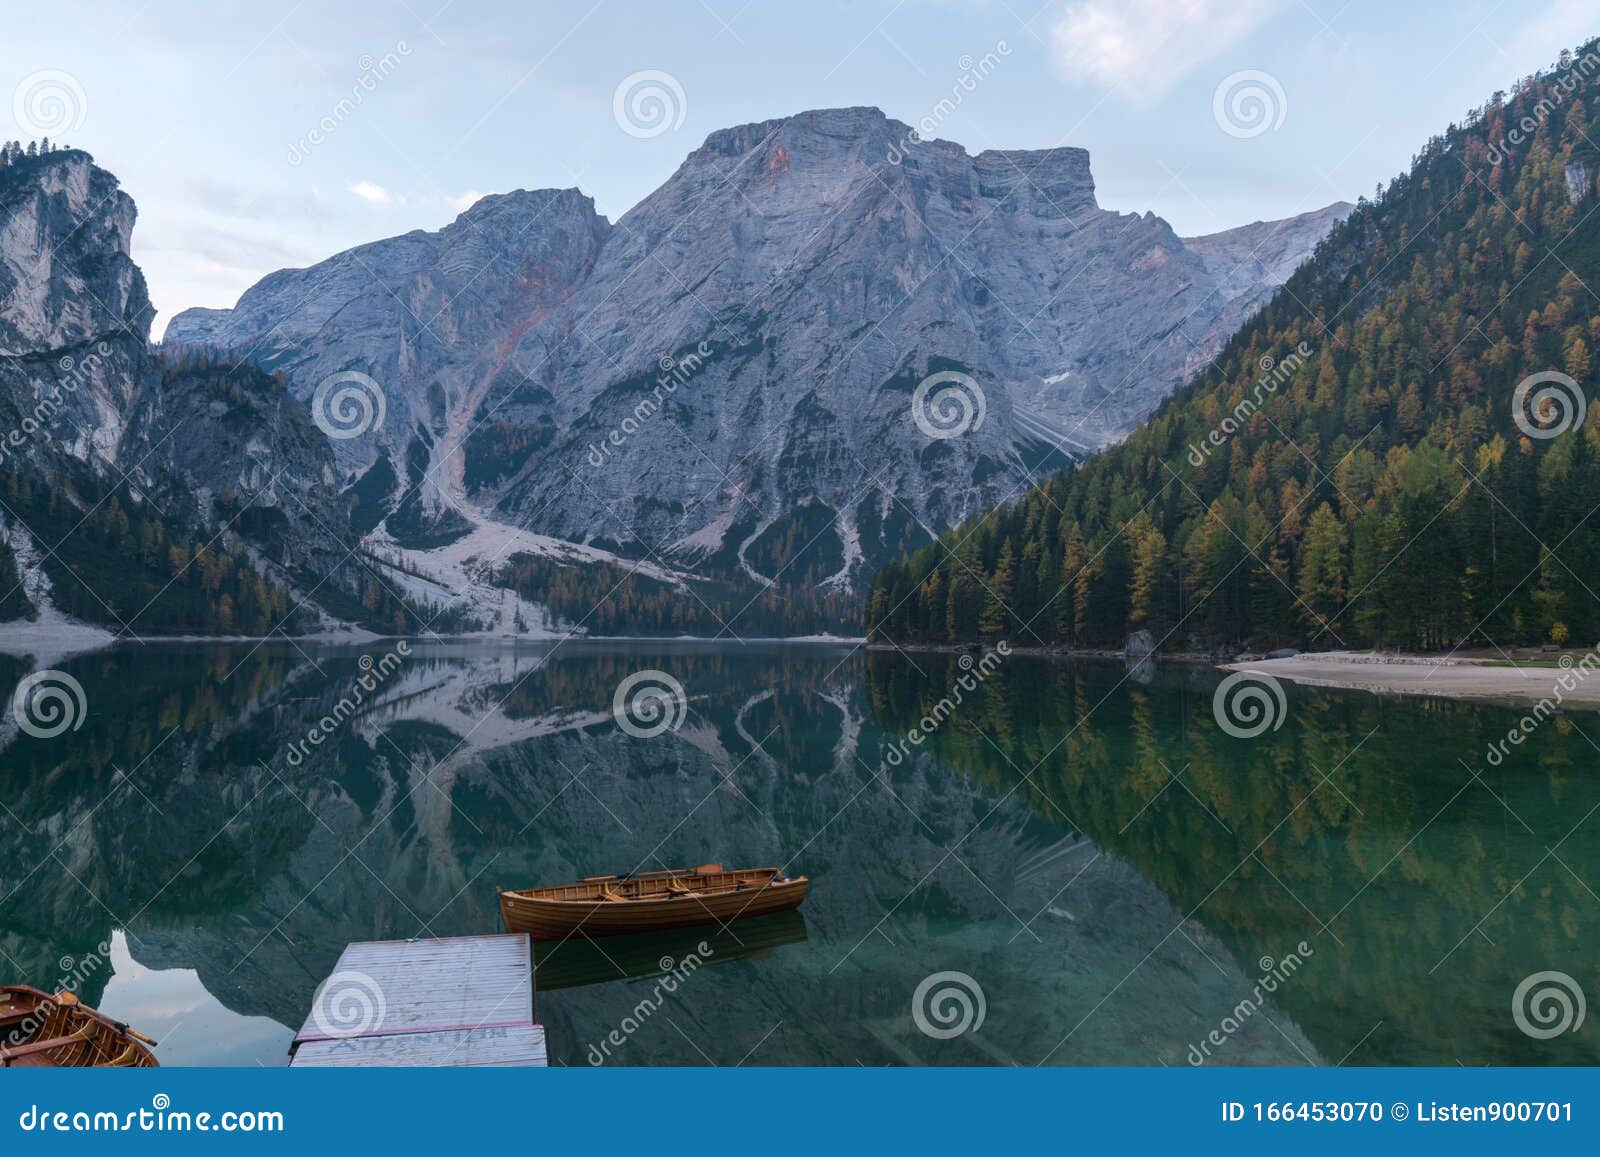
point(1150, 583)
point(1000, 591)
point(1324, 572)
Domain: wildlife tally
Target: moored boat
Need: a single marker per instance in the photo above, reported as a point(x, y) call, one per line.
point(38, 1030)
point(650, 901)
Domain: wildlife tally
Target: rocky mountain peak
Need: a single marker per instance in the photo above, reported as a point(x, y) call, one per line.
point(520, 206)
point(67, 278)
point(841, 139)
point(1044, 179)
point(841, 129)
point(791, 282)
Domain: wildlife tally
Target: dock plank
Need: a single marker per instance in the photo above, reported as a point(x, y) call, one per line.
point(516, 1046)
point(458, 1001)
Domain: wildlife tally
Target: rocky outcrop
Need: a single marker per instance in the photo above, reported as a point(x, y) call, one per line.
point(104, 446)
point(1576, 174)
point(74, 311)
point(432, 317)
point(230, 440)
point(1140, 645)
point(731, 368)
point(1251, 261)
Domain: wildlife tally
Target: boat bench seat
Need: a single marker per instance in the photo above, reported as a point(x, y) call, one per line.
point(21, 1053)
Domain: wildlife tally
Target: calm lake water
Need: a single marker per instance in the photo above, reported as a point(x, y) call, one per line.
point(1124, 881)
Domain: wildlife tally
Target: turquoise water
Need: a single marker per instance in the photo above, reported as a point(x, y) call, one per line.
point(1076, 851)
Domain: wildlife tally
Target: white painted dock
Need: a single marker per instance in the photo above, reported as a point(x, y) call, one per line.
point(456, 1002)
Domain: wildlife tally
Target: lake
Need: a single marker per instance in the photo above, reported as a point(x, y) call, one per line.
point(1073, 864)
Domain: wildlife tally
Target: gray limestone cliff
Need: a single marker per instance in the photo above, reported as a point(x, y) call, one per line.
point(730, 368)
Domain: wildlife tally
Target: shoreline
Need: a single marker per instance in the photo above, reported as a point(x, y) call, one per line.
point(63, 639)
point(1536, 676)
point(1202, 657)
point(1560, 679)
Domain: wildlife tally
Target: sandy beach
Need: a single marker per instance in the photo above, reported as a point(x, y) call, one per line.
point(1565, 678)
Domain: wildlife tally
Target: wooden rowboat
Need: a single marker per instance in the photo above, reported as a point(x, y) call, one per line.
point(38, 1030)
point(650, 901)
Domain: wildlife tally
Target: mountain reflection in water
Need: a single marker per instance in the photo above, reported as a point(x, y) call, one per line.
point(1113, 871)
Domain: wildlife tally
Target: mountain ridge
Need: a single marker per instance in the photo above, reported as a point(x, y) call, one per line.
point(826, 281)
point(708, 402)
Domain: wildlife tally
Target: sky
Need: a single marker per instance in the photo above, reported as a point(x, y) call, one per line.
point(259, 135)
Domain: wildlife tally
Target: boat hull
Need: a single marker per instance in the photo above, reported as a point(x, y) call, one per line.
point(38, 1030)
point(557, 919)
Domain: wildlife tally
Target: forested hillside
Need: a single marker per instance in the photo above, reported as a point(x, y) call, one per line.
point(1358, 466)
point(612, 599)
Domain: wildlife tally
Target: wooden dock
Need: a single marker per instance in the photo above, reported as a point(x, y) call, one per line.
point(456, 1002)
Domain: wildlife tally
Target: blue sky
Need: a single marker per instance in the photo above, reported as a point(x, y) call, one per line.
point(206, 111)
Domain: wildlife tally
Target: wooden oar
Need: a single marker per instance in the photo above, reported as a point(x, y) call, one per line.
point(69, 1000)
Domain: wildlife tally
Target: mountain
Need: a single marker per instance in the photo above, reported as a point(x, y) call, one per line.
point(139, 494)
point(722, 380)
point(1393, 451)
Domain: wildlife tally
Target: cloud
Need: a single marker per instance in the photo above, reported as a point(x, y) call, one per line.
point(254, 201)
point(1144, 47)
point(461, 202)
point(374, 194)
